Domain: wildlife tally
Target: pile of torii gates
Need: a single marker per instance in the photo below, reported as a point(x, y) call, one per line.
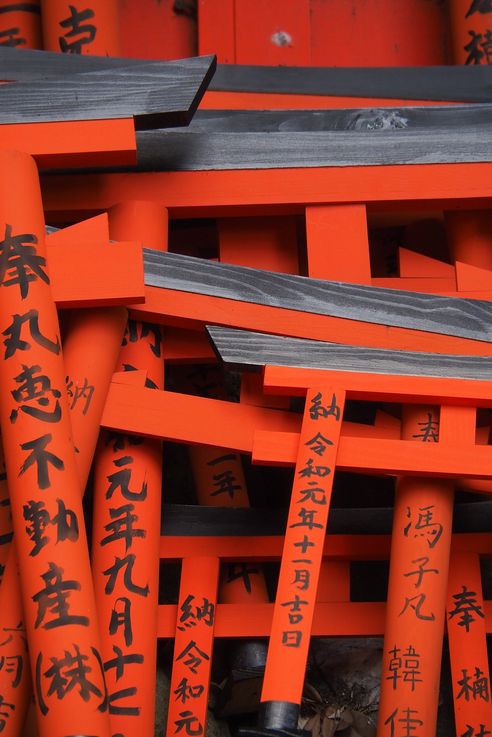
point(422, 339)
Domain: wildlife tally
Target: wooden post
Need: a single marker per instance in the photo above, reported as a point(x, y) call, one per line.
point(81, 28)
point(20, 24)
point(468, 647)
point(471, 31)
point(301, 558)
point(193, 647)
point(416, 592)
point(127, 516)
point(90, 350)
point(58, 598)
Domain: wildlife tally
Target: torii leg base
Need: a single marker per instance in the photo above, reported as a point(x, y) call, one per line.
point(276, 719)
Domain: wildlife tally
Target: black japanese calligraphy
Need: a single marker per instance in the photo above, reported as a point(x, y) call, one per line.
point(416, 603)
point(404, 665)
point(13, 332)
point(79, 394)
point(479, 48)
point(408, 723)
point(19, 262)
point(236, 571)
point(121, 617)
point(317, 409)
point(126, 565)
point(428, 430)
point(121, 480)
point(42, 458)
point(38, 519)
point(52, 600)
point(79, 33)
point(122, 526)
point(465, 607)
point(185, 691)
point(192, 656)
point(424, 526)
point(191, 612)
point(473, 687)
point(35, 387)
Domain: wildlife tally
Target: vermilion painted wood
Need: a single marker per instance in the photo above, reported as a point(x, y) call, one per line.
point(154, 30)
point(215, 100)
point(183, 418)
point(470, 23)
point(79, 143)
point(417, 265)
point(377, 33)
point(387, 387)
point(216, 31)
point(297, 586)
point(193, 646)
point(20, 24)
point(336, 547)
point(79, 273)
point(251, 392)
point(337, 243)
point(22, 214)
point(384, 456)
point(416, 600)
point(255, 620)
point(471, 278)
point(468, 644)
point(184, 346)
point(262, 242)
point(181, 309)
point(432, 285)
point(210, 192)
point(94, 229)
point(272, 33)
point(132, 692)
point(98, 28)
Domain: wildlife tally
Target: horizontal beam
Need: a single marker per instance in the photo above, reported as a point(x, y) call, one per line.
point(215, 190)
point(384, 456)
point(92, 274)
point(334, 619)
point(295, 363)
point(184, 309)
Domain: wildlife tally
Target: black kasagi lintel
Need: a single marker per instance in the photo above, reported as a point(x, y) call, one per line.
point(154, 93)
point(451, 83)
point(462, 318)
point(245, 349)
point(199, 150)
point(193, 520)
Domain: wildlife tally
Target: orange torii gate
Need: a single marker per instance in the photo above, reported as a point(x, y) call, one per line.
point(453, 456)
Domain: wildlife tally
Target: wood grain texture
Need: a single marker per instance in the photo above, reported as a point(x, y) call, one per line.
point(210, 150)
point(153, 93)
point(368, 119)
point(241, 348)
point(459, 83)
point(429, 313)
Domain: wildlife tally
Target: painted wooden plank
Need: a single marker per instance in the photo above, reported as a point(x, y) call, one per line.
point(288, 190)
point(204, 151)
point(418, 265)
point(181, 309)
point(255, 620)
point(444, 315)
point(302, 553)
point(198, 521)
point(79, 274)
point(193, 646)
point(337, 243)
point(462, 84)
point(153, 93)
point(277, 448)
point(186, 419)
point(336, 547)
point(244, 349)
point(82, 143)
point(370, 120)
point(467, 630)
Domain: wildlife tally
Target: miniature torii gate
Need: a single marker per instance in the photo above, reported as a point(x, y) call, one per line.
point(420, 541)
point(415, 378)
